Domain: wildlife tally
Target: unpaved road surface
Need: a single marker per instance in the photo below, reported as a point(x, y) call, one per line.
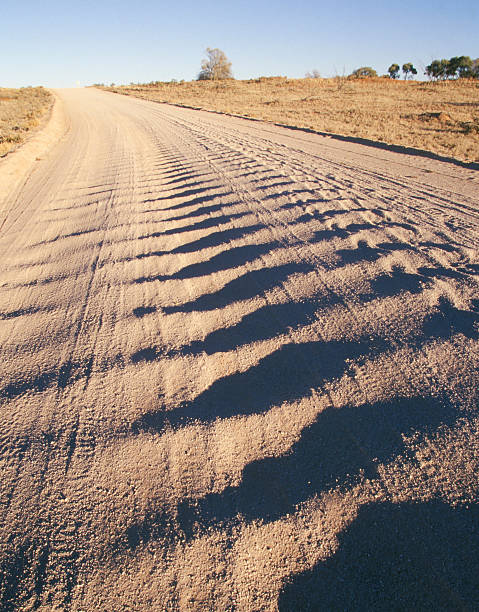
point(239, 370)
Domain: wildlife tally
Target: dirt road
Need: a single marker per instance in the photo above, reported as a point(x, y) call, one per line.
point(239, 370)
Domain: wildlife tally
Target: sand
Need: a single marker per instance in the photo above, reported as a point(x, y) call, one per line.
point(239, 370)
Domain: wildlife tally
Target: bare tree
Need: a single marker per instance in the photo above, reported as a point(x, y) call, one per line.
point(340, 79)
point(216, 67)
point(314, 74)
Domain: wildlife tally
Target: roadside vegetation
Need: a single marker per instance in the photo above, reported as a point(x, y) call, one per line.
point(440, 116)
point(21, 111)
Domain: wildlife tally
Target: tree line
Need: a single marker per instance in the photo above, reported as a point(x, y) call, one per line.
point(366, 71)
point(459, 67)
point(217, 66)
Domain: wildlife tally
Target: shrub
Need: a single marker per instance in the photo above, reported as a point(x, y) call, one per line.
point(364, 72)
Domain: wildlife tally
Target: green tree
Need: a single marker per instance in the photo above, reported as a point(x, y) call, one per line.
point(444, 67)
point(216, 66)
point(394, 71)
point(460, 67)
point(408, 69)
point(452, 67)
point(364, 72)
point(435, 70)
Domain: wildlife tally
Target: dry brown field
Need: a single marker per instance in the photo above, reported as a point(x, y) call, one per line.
point(442, 118)
point(21, 110)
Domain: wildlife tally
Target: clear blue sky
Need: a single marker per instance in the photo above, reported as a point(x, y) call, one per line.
point(65, 43)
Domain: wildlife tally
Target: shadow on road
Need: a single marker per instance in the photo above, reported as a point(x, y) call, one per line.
point(226, 260)
point(335, 450)
point(410, 556)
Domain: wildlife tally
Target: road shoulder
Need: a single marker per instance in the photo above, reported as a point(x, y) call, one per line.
point(17, 165)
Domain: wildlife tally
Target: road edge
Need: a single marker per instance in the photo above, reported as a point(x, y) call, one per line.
point(17, 165)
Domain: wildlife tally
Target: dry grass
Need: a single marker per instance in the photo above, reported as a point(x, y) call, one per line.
point(438, 117)
point(21, 110)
